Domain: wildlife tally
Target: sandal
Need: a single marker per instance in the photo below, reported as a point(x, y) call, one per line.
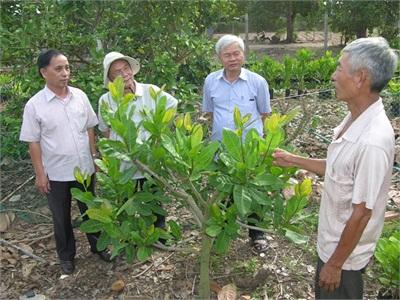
point(259, 245)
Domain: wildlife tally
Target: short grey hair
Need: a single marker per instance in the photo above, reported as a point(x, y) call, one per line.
point(375, 55)
point(227, 40)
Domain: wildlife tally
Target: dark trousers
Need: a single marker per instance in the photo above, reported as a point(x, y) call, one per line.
point(160, 221)
point(351, 285)
point(59, 200)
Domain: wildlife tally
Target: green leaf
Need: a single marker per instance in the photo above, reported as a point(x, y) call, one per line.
point(222, 243)
point(143, 253)
point(78, 175)
point(103, 241)
point(242, 199)
point(207, 154)
point(153, 93)
point(91, 226)
point(128, 206)
point(196, 136)
point(237, 117)
point(169, 114)
point(102, 214)
point(261, 197)
point(296, 237)
point(213, 230)
point(129, 253)
point(85, 197)
point(187, 122)
point(175, 229)
point(231, 143)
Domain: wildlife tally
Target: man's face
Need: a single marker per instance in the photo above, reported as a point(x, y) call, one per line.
point(232, 57)
point(57, 72)
point(344, 80)
point(121, 68)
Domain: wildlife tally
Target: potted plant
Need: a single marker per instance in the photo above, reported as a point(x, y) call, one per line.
point(325, 67)
point(303, 57)
point(393, 90)
point(289, 64)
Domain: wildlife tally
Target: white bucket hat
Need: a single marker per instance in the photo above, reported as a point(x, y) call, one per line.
point(113, 56)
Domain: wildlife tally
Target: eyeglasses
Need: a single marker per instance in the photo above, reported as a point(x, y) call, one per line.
point(124, 70)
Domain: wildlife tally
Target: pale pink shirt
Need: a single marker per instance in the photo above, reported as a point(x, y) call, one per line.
point(358, 169)
point(60, 126)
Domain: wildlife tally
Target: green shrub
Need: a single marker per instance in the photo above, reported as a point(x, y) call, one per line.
point(388, 256)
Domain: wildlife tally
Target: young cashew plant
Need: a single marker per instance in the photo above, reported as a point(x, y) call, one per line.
point(222, 184)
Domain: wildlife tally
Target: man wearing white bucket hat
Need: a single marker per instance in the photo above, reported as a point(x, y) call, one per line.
point(116, 64)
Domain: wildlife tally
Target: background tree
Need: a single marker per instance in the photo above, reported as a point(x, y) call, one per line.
point(360, 18)
point(273, 15)
point(167, 37)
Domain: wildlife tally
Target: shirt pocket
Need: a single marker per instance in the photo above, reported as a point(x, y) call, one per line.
point(48, 123)
point(247, 104)
point(79, 117)
point(340, 191)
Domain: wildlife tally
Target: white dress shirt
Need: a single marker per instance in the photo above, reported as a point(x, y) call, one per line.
point(60, 126)
point(358, 169)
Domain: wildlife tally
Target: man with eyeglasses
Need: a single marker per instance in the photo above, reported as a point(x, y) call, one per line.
point(58, 124)
point(234, 86)
point(116, 64)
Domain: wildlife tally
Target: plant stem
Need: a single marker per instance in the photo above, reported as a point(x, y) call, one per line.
point(197, 214)
point(254, 227)
point(204, 286)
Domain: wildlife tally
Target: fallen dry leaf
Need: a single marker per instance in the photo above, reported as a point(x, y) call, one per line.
point(118, 286)
point(6, 219)
point(27, 269)
point(228, 292)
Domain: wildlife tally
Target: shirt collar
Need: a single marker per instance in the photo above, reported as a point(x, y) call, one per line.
point(357, 128)
point(243, 74)
point(138, 89)
point(50, 95)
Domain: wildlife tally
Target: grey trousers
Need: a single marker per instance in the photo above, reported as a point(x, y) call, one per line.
point(351, 285)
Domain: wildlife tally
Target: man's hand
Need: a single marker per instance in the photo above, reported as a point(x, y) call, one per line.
point(329, 277)
point(42, 184)
point(283, 158)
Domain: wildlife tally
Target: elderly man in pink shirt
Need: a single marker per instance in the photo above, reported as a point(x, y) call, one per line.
point(357, 170)
point(58, 125)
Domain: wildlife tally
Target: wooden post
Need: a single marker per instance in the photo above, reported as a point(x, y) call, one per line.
point(246, 20)
point(325, 30)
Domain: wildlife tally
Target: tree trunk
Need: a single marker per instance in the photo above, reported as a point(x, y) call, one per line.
point(361, 33)
point(204, 286)
point(290, 16)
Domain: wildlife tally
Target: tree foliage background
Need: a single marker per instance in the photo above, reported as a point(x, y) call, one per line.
point(169, 38)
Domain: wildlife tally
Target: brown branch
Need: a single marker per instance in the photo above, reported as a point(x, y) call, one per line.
point(17, 189)
point(254, 227)
point(23, 251)
point(153, 265)
point(197, 214)
point(27, 211)
point(159, 245)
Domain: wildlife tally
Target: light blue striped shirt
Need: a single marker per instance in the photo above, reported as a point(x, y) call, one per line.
point(249, 93)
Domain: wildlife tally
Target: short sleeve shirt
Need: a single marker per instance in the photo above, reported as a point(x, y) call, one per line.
point(249, 93)
point(142, 101)
point(60, 127)
point(358, 169)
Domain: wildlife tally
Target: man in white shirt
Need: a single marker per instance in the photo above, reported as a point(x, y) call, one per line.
point(357, 170)
point(116, 64)
point(58, 125)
